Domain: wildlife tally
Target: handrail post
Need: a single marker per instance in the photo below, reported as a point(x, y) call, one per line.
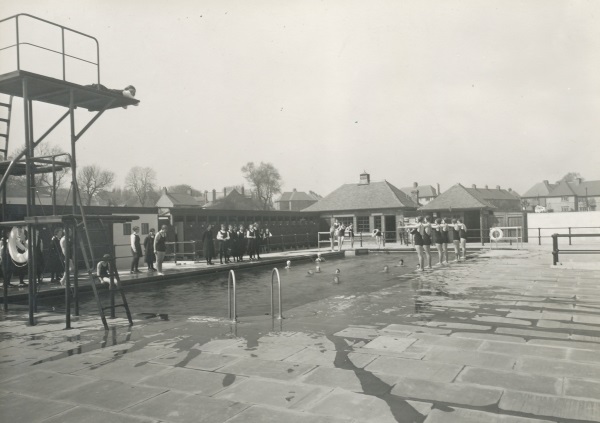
point(361, 239)
point(569, 236)
point(554, 249)
point(231, 296)
point(539, 236)
point(273, 273)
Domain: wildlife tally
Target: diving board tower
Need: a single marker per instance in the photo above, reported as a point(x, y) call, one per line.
point(49, 71)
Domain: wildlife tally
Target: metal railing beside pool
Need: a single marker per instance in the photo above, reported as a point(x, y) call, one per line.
point(537, 232)
point(556, 251)
point(232, 295)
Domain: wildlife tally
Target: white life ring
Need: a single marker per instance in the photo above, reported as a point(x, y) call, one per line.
point(494, 231)
point(14, 244)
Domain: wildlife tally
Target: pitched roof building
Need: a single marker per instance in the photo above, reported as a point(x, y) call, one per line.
point(367, 205)
point(422, 194)
point(578, 195)
point(480, 208)
point(296, 200)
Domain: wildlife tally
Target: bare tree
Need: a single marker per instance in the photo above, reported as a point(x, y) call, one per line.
point(142, 181)
point(92, 181)
point(571, 177)
point(266, 182)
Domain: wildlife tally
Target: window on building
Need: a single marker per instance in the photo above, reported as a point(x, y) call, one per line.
point(362, 224)
point(583, 208)
point(348, 220)
point(126, 228)
point(377, 222)
point(564, 198)
point(145, 228)
point(565, 208)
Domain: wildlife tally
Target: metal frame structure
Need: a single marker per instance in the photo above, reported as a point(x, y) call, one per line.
point(61, 92)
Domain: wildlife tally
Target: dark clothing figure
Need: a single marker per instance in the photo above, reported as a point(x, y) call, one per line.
point(251, 244)
point(207, 244)
point(102, 269)
point(241, 244)
point(56, 260)
point(233, 245)
point(136, 253)
point(223, 239)
point(257, 244)
point(149, 251)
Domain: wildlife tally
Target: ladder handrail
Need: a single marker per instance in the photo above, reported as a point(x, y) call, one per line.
point(231, 296)
point(273, 273)
point(8, 116)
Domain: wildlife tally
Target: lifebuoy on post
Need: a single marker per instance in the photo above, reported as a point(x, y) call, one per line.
point(17, 250)
point(496, 234)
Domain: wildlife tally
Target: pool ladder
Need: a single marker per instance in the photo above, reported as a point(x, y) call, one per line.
point(232, 301)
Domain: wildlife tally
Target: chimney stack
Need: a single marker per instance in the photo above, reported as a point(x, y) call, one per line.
point(165, 190)
point(205, 196)
point(473, 186)
point(545, 182)
point(243, 190)
point(415, 184)
point(498, 187)
point(486, 187)
point(365, 179)
point(214, 195)
point(224, 192)
point(438, 189)
point(579, 181)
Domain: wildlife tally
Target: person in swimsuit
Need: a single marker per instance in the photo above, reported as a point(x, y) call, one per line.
point(223, 239)
point(456, 240)
point(438, 239)
point(102, 269)
point(444, 232)
point(462, 234)
point(427, 240)
point(341, 233)
point(416, 232)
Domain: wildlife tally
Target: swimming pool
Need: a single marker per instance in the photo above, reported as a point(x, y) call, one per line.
point(301, 284)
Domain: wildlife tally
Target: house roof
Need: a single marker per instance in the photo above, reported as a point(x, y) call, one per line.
point(234, 200)
point(589, 188)
point(562, 189)
point(298, 196)
point(458, 197)
point(424, 190)
point(541, 189)
point(374, 195)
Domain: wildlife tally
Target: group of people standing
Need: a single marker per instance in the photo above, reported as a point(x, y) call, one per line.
point(338, 231)
point(426, 233)
point(155, 249)
point(234, 242)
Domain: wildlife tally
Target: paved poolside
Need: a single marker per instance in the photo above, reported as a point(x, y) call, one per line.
point(500, 338)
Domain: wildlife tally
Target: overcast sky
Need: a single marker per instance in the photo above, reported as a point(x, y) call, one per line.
point(478, 92)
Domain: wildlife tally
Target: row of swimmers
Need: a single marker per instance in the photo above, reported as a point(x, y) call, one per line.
point(427, 233)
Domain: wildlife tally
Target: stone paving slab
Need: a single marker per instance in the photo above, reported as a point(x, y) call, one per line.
point(263, 414)
point(429, 370)
point(267, 351)
point(414, 329)
point(108, 394)
point(582, 388)
point(454, 393)
point(273, 393)
point(192, 380)
point(551, 406)
point(338, 378)
point(267, 369)
point(532, 333)
point(558, 368)
point(524, 350)
point(44, 384)
point(462, 415)
point(200, 361)
point(488, 336)
point(313, 356)
point(361, 333)
point(122, 370)
point(368, 408)
point(184, 408)
point(447, 341)
point(91, 415)
point(512, 380)
point(472, 358)
point(502, 320)
point(23, 409)
point(390, 343)
point(568, 344)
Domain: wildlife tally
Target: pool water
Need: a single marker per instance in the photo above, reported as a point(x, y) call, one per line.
point(301, 284)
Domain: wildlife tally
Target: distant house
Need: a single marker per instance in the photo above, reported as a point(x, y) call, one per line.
point(296, 200)
point(563, 196)
point(367, 205)
point(422, 194)
point(480, 208)
point(233, 199)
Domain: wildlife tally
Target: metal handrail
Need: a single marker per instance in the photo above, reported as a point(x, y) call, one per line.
point(62, 52)
point(555, 249)
point(569, 228)
point(273, 273)
point(231, 298)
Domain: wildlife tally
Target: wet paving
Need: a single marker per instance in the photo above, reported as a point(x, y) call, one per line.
point(501, 337)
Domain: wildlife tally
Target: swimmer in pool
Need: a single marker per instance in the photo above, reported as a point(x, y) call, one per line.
point(318, 269)
point(400, 263)
point(385, 269)
point(336, 279)
point(310, 273)
point(288, 264)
